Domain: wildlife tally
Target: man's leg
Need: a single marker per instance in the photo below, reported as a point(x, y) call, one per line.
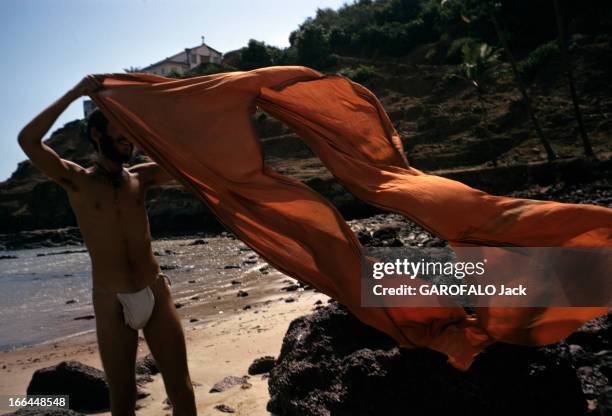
point(166, 340)
point(117, 343)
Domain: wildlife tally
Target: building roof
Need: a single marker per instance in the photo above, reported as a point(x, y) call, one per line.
point(209, 47)
point(173, 58)
point(163, 61)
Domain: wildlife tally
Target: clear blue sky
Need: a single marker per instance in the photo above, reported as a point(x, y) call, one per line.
point(48, 46)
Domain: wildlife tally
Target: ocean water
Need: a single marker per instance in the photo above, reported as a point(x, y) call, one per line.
point(36, 286)
point(34, 290)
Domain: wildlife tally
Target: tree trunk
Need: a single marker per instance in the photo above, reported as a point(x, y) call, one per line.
point(586, 143)
point(484, 121)
point(545, 142)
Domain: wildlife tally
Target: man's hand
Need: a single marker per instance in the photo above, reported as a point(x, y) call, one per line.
point(30, 137)
point(88, 85)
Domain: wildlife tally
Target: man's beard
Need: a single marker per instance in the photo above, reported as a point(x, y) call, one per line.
point(110, 151)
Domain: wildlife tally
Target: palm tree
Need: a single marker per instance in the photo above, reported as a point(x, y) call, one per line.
point(586, 143)
point(478, 63)
point(131, 69)
point(491, 14)
point(521, 85)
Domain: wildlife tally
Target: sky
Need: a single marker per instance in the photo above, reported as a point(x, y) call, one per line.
point(49, 46)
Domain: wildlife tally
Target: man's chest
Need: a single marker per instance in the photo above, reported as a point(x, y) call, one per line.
point(103, 198)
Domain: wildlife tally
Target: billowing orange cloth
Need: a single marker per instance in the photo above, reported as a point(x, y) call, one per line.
point(199, 129)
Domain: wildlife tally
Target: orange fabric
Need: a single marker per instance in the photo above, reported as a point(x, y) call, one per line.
point(199, 130)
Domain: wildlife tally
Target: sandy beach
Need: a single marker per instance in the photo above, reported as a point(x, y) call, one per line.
point(223, 336)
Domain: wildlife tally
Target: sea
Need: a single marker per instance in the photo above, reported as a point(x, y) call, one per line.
point(42, 291)
point(45, 293)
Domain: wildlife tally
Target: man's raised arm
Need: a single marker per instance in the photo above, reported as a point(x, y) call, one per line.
point(30, 138)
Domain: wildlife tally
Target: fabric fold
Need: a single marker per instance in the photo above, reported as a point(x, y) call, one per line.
point(199, 130)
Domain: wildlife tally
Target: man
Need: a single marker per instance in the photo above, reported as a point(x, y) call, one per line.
point(129, 291)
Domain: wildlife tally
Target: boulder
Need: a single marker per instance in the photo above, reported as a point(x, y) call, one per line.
point(228, 382)
point(40, 412)
point(261, 365)
point(332, 364)
point(86, 386)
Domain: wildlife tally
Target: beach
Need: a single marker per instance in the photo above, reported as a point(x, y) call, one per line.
point(224, 332)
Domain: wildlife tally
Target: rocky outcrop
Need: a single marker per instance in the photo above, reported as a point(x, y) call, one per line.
point(41, 238)
point(436, 114)
point(86, 386)
point(332, 364)
point(40, 412)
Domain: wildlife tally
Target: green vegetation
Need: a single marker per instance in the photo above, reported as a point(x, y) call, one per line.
point(472, 33)
point(360, 74)
point(258, 54)
point(537, 59)
point(394, 28)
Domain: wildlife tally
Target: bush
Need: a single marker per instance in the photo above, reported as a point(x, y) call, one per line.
point(360, 74)
point(454, 54)
point(255, 55)
point(537, 59)
point(312, 46)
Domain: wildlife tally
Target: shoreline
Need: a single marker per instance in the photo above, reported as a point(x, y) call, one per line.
point(218, 345)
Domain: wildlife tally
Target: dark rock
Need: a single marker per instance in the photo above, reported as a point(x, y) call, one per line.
point(331, 363)
point(85, 385)
point(40, 238)
point(7, 256)
point(178, 305)
point(386, 233)
point(227, 382)
point(236, 282)
point(225, 408)
point(364, 237)
point(169, 266)
point(36, 412)
point(290, 299)
point(146, 366)
point(58, 253)
point(193, 320)
point(242, 293)
point(84, 317)
point(593, 381)
point(231, 266)
point(604, 361)
point(246, 307)
point(597, 334)
point(198, 242)
point(261, 365)
point(604, 402)
point(290, 288)
point(71, 301)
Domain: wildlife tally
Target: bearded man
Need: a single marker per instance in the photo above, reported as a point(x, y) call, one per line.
point(129, 292)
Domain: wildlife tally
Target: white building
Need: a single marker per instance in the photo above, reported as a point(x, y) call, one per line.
point(179, 63)
point(185, 60)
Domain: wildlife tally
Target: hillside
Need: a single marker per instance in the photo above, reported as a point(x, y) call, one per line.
point(434, 110)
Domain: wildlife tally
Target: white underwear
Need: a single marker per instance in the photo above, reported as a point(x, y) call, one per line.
point(137, 306)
